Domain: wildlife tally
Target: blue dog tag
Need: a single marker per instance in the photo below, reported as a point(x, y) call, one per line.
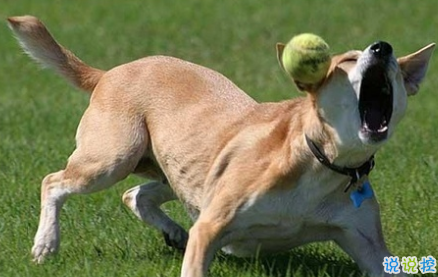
point(362, 193)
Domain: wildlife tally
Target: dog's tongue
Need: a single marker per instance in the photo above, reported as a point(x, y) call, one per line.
point(373, 119)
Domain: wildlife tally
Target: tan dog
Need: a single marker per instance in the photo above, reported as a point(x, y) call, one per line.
point(253, 176)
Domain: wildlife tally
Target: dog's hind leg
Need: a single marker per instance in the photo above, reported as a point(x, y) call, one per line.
point(109, 147)
point(145, 201)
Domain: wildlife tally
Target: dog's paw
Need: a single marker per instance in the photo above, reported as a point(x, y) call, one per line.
point(41, 251)
point(177, 239)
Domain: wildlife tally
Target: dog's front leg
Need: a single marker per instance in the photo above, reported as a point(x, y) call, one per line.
point(206, 235)
point(201, 246)
point(362, 238)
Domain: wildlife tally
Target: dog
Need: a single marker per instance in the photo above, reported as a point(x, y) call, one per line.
point(254, 177)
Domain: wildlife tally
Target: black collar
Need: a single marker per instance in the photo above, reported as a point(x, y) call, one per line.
point(354, 173)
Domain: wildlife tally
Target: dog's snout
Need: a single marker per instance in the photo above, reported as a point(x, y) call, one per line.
point(381, 49)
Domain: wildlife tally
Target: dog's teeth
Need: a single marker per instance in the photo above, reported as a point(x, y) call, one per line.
point(383, 129)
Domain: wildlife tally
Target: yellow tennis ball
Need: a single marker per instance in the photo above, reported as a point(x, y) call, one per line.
point(306, 57)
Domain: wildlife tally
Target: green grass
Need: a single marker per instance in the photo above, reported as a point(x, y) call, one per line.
point(39, 113)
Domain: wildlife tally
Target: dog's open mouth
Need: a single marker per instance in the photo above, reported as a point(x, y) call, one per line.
point(375, 102)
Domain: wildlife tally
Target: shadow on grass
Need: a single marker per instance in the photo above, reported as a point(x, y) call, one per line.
point(298, 262)
point(165, 261)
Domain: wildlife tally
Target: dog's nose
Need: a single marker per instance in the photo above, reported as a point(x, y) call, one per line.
point(381, 49)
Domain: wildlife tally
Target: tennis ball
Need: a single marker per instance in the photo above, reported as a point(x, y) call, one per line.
point(306, 58)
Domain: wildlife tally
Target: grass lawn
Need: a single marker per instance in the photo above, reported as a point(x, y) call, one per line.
point(39, 113)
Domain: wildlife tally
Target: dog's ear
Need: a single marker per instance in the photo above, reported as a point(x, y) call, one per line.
point(280, 48)
point(414, 67)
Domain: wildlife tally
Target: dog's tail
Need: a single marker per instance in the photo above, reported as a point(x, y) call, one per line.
point(36, 41)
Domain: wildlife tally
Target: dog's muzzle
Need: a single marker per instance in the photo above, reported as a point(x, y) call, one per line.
point(376, 94)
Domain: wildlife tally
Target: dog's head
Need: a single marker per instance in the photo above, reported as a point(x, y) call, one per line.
point(364, 94)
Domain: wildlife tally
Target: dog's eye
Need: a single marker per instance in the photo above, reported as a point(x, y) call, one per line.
point(350, 57)
point(346, 64)
point(349, 61)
